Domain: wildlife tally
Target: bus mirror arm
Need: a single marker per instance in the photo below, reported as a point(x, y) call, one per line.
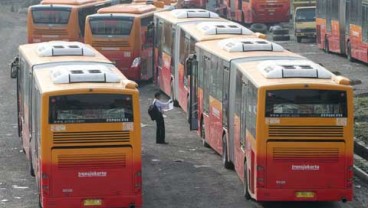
point(14, 67)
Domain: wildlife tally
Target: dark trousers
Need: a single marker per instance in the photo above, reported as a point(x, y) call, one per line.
point(160, 131)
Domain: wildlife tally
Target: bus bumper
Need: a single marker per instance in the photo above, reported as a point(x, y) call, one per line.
point(103, 202)
point(304, 195)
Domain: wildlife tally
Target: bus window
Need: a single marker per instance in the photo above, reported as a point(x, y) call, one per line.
point(306, 103)
point(50, 15)
point(117, 26)
point(85, 108)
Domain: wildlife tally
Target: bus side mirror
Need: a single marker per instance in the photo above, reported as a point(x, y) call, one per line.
point(14, 67)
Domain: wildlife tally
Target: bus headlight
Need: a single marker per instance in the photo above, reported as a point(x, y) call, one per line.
point(136, 62)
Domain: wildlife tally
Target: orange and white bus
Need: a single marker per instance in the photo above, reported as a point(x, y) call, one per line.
point(79, 123)
point(284, 122)
point(191, 33)
point(257, 11)
point(166, 24)
point(124, 34)
point(60, 19)
point(342, 28)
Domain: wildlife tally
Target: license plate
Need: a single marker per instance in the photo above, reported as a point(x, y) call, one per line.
point(92, 202)
point(305, 194)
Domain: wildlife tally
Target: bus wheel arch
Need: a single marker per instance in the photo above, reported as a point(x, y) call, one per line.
point(225, 159)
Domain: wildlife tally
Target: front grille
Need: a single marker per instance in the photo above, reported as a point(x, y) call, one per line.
point(50, 32)
point(110, 44)
point(92, 137)
point(306, 131)
point(72, 161)
point(305, 154)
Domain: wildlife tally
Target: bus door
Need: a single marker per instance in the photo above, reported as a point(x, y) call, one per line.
point(192, 72)
point(225, 110)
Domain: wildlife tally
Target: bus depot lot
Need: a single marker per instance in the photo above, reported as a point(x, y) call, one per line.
point(178, 175)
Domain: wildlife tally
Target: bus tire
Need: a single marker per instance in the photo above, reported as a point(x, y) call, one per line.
point(31, 170)
point(258, 27)
point(326, 48)
point(245, 184)
point(348, 52)
point(203, 135)
point(176, 104)
point(299, 39)
point(225, 159)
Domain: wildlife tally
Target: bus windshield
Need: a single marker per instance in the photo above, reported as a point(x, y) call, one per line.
point(111, 25)
point(50, 15)
point(305, 15)
point(306, 103)
point(91, 108)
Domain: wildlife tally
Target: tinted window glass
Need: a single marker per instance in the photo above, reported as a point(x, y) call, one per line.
point(305, 15)
point(91, 108)
point(50, 15)
point(306, 103)
point(111, 25)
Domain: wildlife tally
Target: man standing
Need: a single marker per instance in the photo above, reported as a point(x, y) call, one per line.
point(160, 131)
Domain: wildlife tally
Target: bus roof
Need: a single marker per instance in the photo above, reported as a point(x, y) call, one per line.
point(69, 2)
point(211, 30)
point(60, 51)
point(81, 76)
point(128, 8)
point(288, 71)
point(245, 47)
point(187, 15)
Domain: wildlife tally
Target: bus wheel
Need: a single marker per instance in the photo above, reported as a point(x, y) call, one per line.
point(326, 47)
point(31, 170)
point(245, 184)
point(176, 104)
point(203, 135)
point(225, 160)
point(348, 52)
point(299, 39)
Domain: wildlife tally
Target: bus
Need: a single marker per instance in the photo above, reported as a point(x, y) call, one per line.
point(124, 34)
point(257, 11)
point(165, 39)
point(79, 124)
point(341, 28)
point(191, 33)
point(60, 19)
point(282, 121)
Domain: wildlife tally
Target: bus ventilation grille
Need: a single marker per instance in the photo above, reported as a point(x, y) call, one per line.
point(110, 44)
point(193, 13)
point(87, 138)
point(306, 131)
point(64, 48)
point(72, 161)
point(217, 28)
point(54, 31)
point(249, 44)
point(300, 154)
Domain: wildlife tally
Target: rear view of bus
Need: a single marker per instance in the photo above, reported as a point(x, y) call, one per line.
point(85, 134)
point(124, 34)
point(60, 19)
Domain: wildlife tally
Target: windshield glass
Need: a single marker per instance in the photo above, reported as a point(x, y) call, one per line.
point(111, 25)
point(91, 108)
point(50, 15)
point(306, 103)
point(305, 15)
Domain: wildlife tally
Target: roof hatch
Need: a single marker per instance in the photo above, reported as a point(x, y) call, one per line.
point(63, 48)
point(193, 13)
point(80, 74)
point(214, 28)
point(249, 44)
point(293, 69)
